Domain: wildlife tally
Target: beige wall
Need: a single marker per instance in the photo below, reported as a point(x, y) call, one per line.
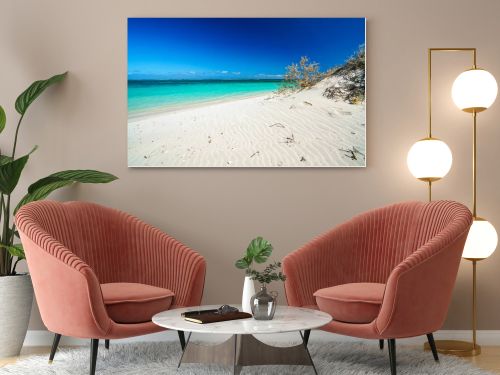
point(82, 124)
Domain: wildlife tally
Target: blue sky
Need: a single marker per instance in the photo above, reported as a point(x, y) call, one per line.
point(236, 48)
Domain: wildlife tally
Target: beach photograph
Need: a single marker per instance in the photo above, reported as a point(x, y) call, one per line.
point(246, 92)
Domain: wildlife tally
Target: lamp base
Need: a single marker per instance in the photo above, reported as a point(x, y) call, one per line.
point(456, 348)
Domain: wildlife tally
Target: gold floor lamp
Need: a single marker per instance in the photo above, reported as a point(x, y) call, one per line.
point(430, 159)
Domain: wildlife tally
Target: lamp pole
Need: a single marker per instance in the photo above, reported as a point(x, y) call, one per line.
point(429, 95)
point(474, 215)
point(454, 347)
point(474, 165)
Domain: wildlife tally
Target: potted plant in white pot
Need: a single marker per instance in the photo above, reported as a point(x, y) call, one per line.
point(16, 291)
point(258, 251)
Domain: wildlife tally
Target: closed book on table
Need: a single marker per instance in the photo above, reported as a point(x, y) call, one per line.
point(212, 317)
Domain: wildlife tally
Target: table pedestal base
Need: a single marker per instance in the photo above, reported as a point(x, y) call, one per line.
point(246, 350)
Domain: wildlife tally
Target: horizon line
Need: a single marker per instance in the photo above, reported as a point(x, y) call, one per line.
point(205, 79)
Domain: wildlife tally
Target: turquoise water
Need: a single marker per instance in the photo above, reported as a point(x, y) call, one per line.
point(153, 95)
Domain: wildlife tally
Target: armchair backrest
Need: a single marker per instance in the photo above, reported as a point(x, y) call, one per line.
point(386, 236)
point(92, 232)
point(368, 247)
point(378, 242)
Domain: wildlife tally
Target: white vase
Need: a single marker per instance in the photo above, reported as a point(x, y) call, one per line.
point(16, 298)
point(248, 292)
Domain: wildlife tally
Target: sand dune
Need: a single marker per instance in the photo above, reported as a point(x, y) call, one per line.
point(302, 129)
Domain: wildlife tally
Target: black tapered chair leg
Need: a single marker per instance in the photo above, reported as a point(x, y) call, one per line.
point(182, 339)
point(381, 344)
point(106, 344)
point(392, 355)
point(94, 346)
point(307, 333)
point(432, 344)
point(55, 344)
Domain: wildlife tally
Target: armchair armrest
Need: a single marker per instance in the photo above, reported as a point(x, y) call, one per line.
point(165, 262)
point(321, 263)
point(419, 289)
point(68, 292)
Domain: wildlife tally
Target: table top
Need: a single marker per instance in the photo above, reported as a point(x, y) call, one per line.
point(286, 319)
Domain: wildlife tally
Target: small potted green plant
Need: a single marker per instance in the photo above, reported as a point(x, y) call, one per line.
point(259, 250)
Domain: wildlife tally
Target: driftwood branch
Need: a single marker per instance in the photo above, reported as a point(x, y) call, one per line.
point(278, 125)
point(352, 153)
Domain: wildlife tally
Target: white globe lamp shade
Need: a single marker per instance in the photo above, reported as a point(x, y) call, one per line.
point(429, 159)
point(481, 241)
point(474, 90)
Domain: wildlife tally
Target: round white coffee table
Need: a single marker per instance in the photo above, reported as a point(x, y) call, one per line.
point(242, 348)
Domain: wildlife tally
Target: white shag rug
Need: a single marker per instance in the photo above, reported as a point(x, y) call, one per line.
point(162, 358)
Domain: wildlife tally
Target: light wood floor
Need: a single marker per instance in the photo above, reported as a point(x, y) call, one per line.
point(488, 360)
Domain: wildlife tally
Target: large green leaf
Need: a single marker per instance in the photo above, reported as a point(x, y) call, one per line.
point(3, 119)
point(31, 93)
point(43, 187)
point(86, 176)
point(10, 172)
point(259, 250)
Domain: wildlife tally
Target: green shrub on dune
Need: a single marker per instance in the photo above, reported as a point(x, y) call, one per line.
point(350, 85)
point(305, 74)
point(345, 82)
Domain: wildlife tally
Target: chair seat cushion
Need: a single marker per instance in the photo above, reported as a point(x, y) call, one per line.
point(135, 303)
point(351, 303)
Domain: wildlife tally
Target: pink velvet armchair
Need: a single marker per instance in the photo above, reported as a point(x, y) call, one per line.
point(99, 273)
point(385, 274)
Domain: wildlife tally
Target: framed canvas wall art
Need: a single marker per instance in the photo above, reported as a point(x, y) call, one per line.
point(246, 92)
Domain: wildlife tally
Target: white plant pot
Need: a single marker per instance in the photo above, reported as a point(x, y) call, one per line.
point(248, 292)
point(16, 298)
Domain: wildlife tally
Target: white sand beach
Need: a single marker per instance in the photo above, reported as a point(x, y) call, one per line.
point(301, 129)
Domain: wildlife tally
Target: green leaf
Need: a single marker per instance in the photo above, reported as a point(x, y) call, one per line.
point(86, 176)
point(4, 159)
point(242, 264)
point(46, 181)
point(3, 119)
point(43, 187)
point(259, 250)
point(15, 250)
point(36, 88)
point(42, 193)
point(260, 259)
point(10, 172)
